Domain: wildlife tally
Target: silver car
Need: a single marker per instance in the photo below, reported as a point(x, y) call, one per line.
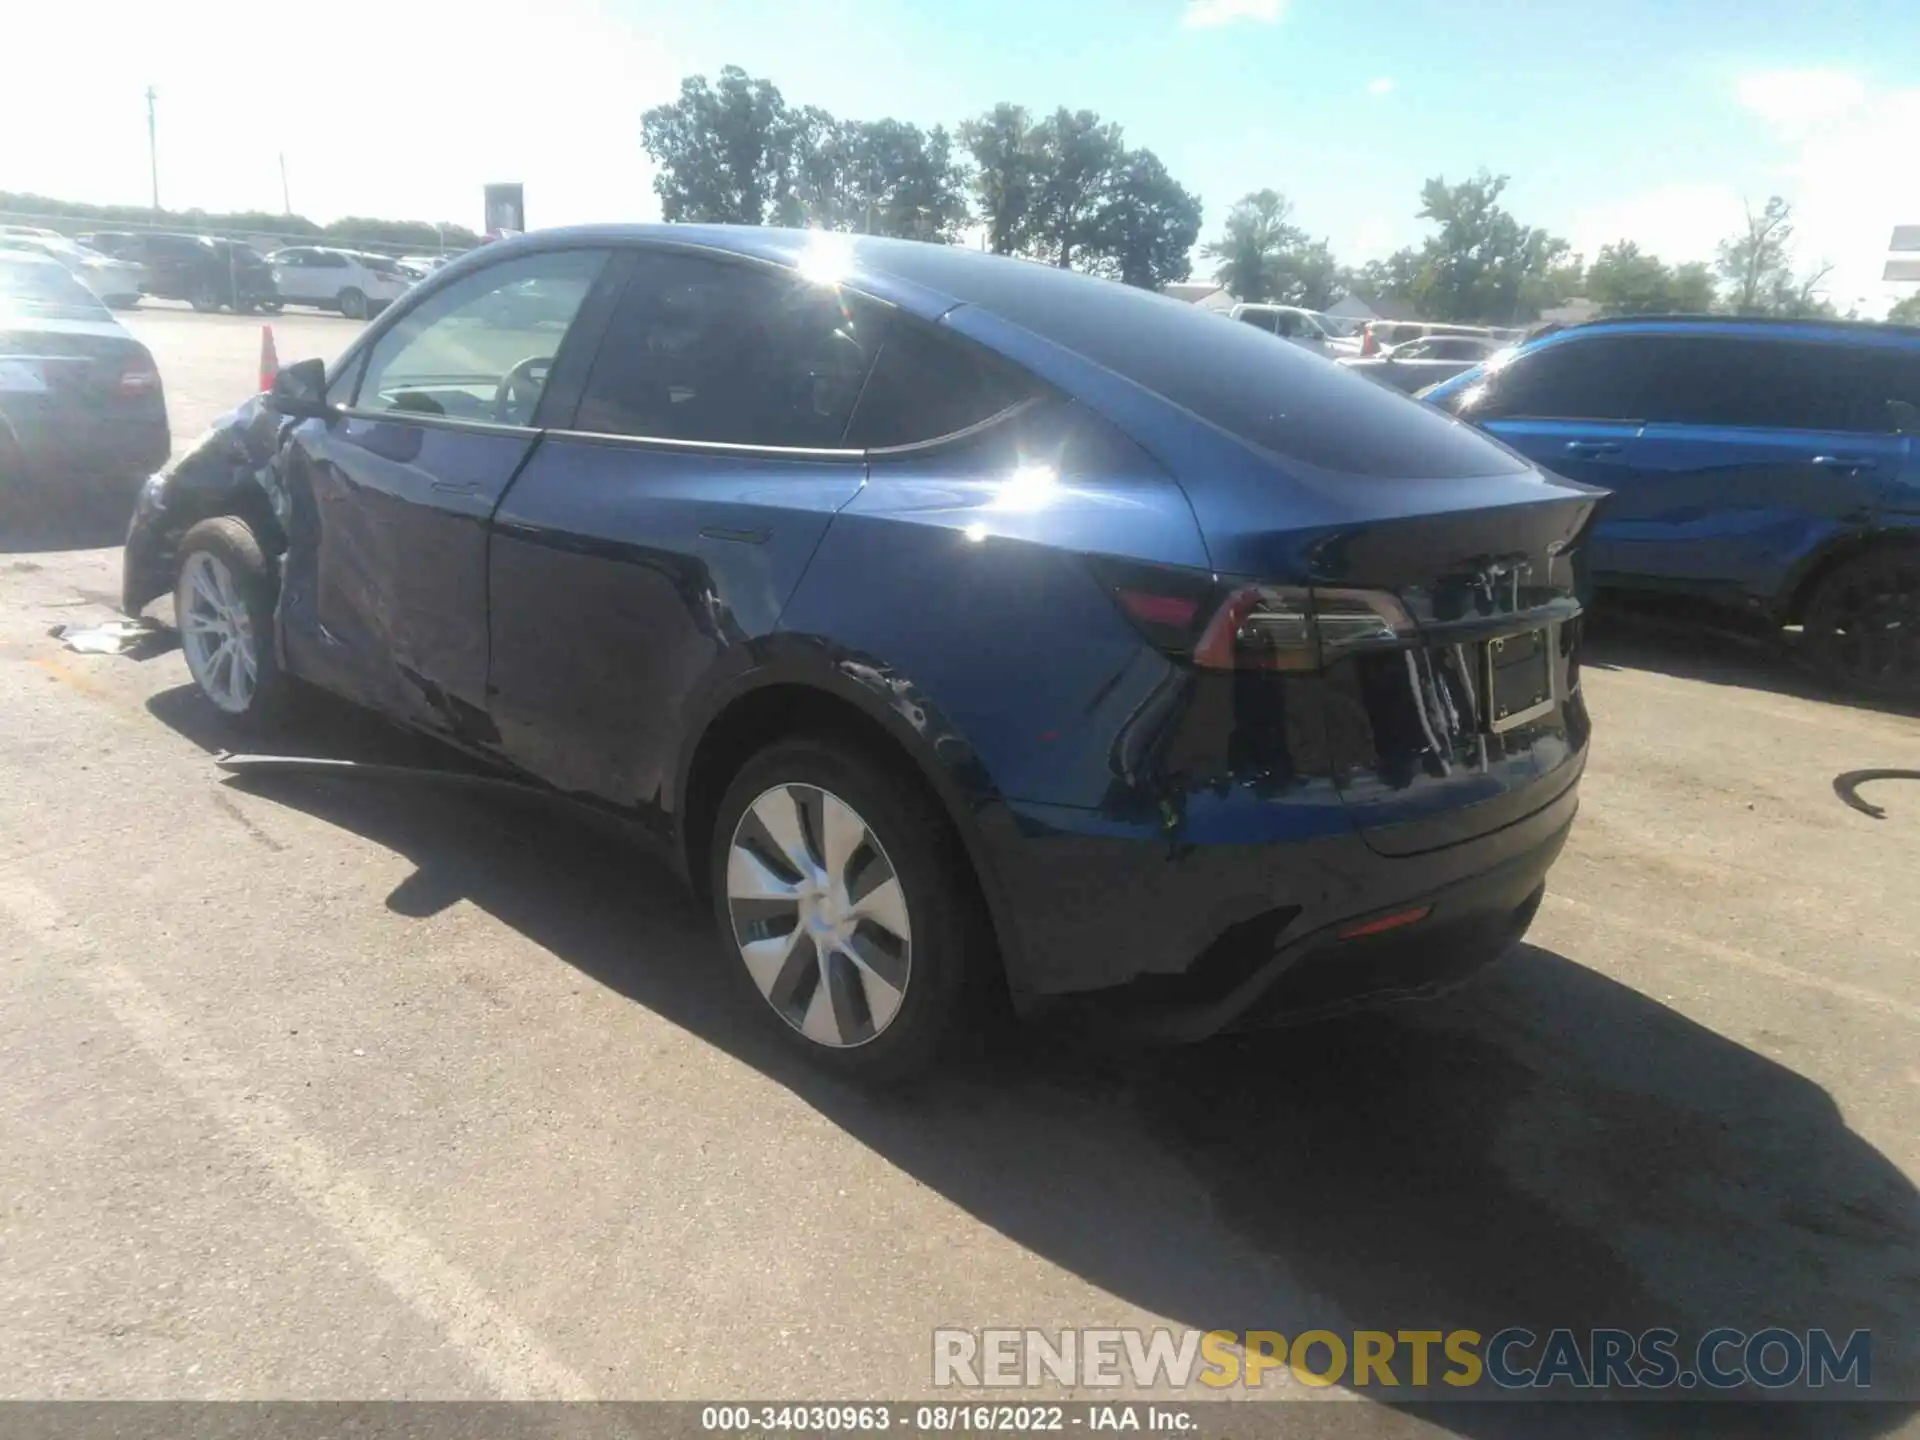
point(1423, 362)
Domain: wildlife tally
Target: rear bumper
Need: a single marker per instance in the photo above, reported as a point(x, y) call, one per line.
point(1177, 942)
point(80, 450)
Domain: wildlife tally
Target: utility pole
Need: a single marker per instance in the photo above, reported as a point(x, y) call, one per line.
point(153, 150)
point(286, 195)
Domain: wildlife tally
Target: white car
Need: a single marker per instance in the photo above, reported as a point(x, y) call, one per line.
point(356, 285)
point(113, 282)
point(1289, 322)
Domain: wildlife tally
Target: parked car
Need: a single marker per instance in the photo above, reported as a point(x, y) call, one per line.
point(356, 285)
point(954, 622)
point(1767, 467)
point(1289, 322)
point(81, 406)
point(421, 266)
point(1342, 332)
point(1380, 335)
point(210, 272)
point(1423, 362)
point(114, 282)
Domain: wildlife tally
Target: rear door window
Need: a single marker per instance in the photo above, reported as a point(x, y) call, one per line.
point(1886, 390)
point(1749, 383)
point(1259, 319)
point(720, 351)
point(926, 386)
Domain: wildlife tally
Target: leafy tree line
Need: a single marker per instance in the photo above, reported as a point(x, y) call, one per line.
point(1065, 188)
point(351, 230)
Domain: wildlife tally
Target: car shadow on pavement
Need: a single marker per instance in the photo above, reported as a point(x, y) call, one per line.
point(1643, 637)
point(1547, 1148)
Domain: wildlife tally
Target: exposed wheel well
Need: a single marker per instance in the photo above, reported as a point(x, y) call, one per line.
point(1842, 554)
point(778, 712)
point(755, 721)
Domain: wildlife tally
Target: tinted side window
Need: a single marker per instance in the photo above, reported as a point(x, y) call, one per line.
point(1886, 387)
point(481, 349)
point(1750, 383)
point(1588, 379)
point(926, 385)
point(1259, 319)
point(710, 350)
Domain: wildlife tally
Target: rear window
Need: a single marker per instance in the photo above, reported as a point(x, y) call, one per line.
point(926, 386)
point(42, 285)
point(1280, 397)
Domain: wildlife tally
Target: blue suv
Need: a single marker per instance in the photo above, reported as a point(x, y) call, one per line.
point(1765, 466)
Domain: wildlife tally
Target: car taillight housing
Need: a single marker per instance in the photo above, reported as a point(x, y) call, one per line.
point(1216, 626)
point(139, 377)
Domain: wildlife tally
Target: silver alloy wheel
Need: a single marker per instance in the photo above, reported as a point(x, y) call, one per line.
point(216, 632)
point(819, 915)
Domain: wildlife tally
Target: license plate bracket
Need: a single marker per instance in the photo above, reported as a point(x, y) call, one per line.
point(1518, 675)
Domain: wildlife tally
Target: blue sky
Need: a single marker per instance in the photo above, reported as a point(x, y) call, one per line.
point(1640, 119)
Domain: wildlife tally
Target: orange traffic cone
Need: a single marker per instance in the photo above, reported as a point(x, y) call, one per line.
point(269, 361)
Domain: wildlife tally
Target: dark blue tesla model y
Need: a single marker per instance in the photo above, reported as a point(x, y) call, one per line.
point(955, 622)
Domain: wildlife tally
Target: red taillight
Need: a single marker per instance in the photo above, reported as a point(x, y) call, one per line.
point(1384, 923)
point(1172, 611)
point(1285, 627)
point(138, 377)
point(1252, 627)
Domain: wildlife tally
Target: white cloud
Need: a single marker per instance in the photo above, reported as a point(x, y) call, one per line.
point(1205, 14)
point(1382, 86)
point(1676, 222)
point(1851, 180)
point(1839, 151)
point(1797, 100)
point(558, 109)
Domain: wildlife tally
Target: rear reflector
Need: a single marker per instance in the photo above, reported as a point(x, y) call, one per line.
point(1385, 922)
point(138, 379)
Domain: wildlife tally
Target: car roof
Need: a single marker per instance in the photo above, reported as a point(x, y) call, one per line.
point(31, 257)
point(1850, 332)
point(1098, 337)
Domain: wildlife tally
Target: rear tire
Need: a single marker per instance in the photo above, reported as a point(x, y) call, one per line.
point(1861, 629)
point(205, 299)
point(223, 603)
point(846, 908)
point(353, 304)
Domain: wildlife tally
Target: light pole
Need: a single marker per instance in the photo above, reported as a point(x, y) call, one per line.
point(286, 195)
point(153, 150)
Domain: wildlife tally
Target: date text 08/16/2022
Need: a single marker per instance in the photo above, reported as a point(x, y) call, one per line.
point(948, 1419)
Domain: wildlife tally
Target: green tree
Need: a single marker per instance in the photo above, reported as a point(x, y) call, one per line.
point(1079, 157)
point(1395, 275)
point(1007, 171)
point(1905, 312)
point(1263, 255)
point(1146, 226)
point(1625, 280)
point(726, 152)
point(1693, 291)
point(1484, 265)
point(1757, 266)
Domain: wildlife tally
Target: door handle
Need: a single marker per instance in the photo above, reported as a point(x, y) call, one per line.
point(456, 487)
point(1593, 447)
point(1846, 462)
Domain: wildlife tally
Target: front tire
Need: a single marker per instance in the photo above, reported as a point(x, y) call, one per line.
point(842, 895)
point(223, 603)
point(1861, 630)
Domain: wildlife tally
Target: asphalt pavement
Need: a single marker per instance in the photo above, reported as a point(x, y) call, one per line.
point(336, 1089)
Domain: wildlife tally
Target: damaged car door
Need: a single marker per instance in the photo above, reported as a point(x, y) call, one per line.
point(386, 583)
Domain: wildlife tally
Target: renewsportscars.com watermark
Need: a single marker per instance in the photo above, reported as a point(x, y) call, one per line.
point(1461, 1360)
